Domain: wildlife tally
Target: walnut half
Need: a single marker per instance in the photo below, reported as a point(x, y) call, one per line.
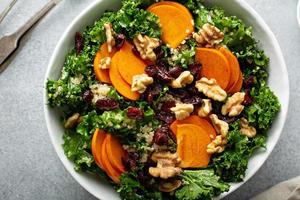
point(72, 121)
point(217, 145)
point(109, 36)
point(145, 46)
point(183, 79)
point(182, 110)
point(221, 127)
point(211, 89)
point(246, 129)
point(205, 108)
point(233, 106)
point(140, 83)
point(209, 36)
point(167, 165)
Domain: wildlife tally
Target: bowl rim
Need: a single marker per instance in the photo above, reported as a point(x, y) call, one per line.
point(298, 12)
point(241, 3)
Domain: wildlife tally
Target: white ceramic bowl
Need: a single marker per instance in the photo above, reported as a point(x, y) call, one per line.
point(278, 81)
point(298, 13)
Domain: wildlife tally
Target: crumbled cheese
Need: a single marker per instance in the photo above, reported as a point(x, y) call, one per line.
point(169, 97)
point(76, 80)
point(146, 133)
point(99, 91)
point(105, 63)
point(58, 91)
point(192, 22)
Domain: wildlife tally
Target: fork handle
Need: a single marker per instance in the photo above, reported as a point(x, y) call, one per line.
point(22, 30)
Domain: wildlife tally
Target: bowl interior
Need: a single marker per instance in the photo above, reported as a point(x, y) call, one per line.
point(278, 81)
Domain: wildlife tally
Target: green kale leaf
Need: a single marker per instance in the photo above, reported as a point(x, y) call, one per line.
point(200, 184)
point(78, 148)
point(232, 163)
point(75, 79)
point(264, 109)
point(131, 189)
point(133, 20)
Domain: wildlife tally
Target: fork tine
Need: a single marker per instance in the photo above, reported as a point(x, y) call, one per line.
point(7, 9)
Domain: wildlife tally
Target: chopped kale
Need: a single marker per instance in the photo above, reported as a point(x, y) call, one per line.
point(200, 184)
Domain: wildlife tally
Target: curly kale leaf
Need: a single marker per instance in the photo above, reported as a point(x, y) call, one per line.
point(185, 55)
point(129, 20)
point(76, 75)
point(78, 149)
point(264, 109)
point(75, 79)
point(133, 20)
point(255, 63)
point(131, 189)
point(232, 163)
point(200, 184)
point(116, 122)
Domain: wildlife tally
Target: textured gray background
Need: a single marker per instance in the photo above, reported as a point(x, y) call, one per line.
point(29, 167)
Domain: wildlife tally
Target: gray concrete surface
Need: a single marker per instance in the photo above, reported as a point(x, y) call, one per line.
point(29, 167)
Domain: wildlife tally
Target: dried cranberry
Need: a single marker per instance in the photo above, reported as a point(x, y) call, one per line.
point(135, 51)
point(120, 40)
point(175, 71)
point(192, 90)
point(130, 161)
point(135, 113)
point(227, 119)
point(180, 93)
point(159, 52)
point(152, 92)
point(78, 42)
point(88, 96)
point(166, 117)
point(167, 105)
point(249, 82)
point(195, 70)
point(160, 138)
point(151, 70)
point(248, 99)
point(142, 177)
point(163, 74)
point(195, 100)
point(107, 104)
point(162, 135)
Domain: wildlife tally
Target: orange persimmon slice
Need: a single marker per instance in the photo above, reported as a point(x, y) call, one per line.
point(192, 141)
point(176, 23)
point(196, 120)
point(115, 152)
point(128, 63)
point(102, 75)
point(97, 142)
point(175, 4)
point(214, 65)
point(110, 171)
point(234, 67)
point(119, 83)
point(237, 86)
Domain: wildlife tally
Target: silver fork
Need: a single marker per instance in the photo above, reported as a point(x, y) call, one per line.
point(9, 43)
point(6, 10)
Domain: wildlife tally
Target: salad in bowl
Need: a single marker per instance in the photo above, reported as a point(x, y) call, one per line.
point(167, 100)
